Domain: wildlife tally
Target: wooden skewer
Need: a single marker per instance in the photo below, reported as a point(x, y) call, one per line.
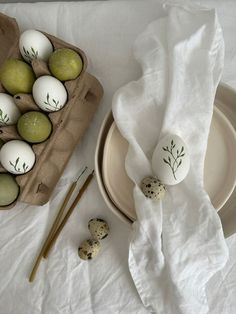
point(69, 212)
point(53, 228)
point(59, 216)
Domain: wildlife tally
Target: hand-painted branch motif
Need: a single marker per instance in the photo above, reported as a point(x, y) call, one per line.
point(174, 160)
point(53, 105)
point(25, 167)
point(16, 165)
point(30, 55)
point(3, 118)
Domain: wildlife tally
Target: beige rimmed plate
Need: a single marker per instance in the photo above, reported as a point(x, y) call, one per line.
point(220, 166)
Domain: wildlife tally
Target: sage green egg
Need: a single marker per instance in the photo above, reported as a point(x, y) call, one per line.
point(17, 76)
point(9, 189)
point(34, 127)
point(65, 64)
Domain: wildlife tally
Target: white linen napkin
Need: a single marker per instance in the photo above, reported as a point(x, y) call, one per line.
point(177, 244)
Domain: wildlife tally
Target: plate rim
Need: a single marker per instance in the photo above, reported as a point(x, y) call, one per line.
point(219, 116)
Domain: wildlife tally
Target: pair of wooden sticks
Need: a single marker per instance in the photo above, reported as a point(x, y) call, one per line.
point(56, 227)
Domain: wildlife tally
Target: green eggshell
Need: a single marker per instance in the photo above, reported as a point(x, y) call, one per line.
point(17, 76)
point(9, 189)
point(34, 127)
point(65, 64)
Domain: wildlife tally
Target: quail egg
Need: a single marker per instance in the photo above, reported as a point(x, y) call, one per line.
point(89, 249)
point(98, 228)
point(152, 188)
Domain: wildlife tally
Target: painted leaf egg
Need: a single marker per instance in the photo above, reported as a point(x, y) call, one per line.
point(170, 160)
point(98, 228)
point(152, 188)
point(17, 157)
point(34, 45)
point(89, 249)
point(9, 112)
point(49, 93)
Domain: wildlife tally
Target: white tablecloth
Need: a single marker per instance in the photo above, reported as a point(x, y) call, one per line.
point(65, 284)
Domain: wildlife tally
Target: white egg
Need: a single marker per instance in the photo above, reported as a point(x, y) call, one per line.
point(17, 157)
point(170, 160)
point(34, 45)
point(49, 93)
point(9, 112)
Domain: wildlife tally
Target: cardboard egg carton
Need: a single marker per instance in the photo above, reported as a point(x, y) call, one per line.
point(69, 123)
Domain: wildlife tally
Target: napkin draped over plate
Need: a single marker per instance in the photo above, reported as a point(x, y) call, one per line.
point(177, 244)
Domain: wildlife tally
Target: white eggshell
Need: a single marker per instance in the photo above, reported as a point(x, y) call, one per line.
point(9, 112)
point(49, 93)
point(17, 157)
point(34, 45)
point(170, 160)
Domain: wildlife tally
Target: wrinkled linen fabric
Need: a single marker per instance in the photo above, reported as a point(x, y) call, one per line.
point(106, 31)
point(177, 244)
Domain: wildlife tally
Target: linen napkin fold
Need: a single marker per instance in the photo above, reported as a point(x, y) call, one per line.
point(177, 244)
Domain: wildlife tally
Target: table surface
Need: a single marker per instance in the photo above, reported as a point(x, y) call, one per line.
point(105, 30)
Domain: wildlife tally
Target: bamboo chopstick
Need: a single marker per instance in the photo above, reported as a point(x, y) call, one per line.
point(58, 218)
point(53, 228)
point(69, 212)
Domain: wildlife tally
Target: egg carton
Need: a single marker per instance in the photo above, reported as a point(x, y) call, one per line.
point(69, 124)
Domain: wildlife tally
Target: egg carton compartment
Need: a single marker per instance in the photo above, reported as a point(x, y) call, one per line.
point(68, 124)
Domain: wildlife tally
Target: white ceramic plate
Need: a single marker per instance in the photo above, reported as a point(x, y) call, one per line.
point(220, 166)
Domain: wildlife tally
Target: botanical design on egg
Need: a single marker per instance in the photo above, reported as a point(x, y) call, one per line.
point(30, 55)
point(174, 160)
point(53, 104)
point(16, 166)
point(3, 118)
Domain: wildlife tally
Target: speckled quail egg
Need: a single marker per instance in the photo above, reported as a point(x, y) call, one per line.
point(152, 188)
point(89, 249)
point(98, 228)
